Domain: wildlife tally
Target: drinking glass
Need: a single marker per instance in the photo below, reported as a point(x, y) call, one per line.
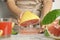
point(5, 27)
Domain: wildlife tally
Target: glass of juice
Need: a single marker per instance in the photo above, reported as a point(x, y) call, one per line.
point(5, 27)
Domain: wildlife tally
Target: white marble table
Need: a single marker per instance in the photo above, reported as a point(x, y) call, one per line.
point(27, 37)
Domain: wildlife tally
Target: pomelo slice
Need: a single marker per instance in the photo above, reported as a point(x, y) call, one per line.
point(53, 32)
point(29, 22)
point(29, 18)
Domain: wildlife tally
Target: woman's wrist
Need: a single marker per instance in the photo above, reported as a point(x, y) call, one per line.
point(47, 5)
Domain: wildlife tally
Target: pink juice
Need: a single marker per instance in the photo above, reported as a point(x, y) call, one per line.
point(6, 27)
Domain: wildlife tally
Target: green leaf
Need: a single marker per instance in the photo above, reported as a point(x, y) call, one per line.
point(46, 33)
point(51, 16)
point(14, 32)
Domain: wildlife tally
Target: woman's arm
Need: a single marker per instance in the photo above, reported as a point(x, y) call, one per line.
point(47, 5)
point(12, 6)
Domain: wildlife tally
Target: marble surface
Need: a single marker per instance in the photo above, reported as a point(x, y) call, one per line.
point(27, 37)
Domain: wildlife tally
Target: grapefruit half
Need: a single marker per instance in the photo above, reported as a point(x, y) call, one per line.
point(53, 31)
point(29, 18)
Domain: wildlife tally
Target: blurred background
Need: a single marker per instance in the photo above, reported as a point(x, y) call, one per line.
point(4, 11)
point(56, 4)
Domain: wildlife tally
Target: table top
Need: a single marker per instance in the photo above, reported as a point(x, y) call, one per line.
point(27, 37)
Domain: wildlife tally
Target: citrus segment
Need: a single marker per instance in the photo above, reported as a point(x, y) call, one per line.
point(53, 31)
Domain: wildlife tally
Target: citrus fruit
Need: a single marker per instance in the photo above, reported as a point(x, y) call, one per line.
point(28, 18)
point(54, 30)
